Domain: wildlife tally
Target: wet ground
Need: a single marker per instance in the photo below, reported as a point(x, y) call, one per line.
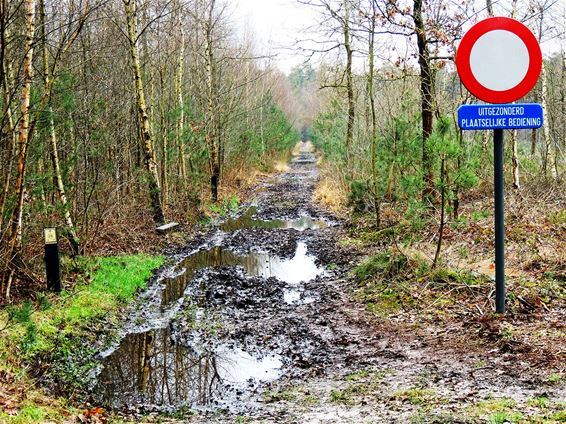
point(255, 321)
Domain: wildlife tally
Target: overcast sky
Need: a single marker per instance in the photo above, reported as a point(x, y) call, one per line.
point(275, 26)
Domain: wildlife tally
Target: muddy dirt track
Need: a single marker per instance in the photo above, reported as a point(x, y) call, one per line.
point(254, 320)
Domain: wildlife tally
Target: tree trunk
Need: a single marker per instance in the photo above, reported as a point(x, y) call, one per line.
point(442, 212)
point(548, 162)
point(563, 101)
point(456, 198)
point(164, 142)
point(59, 184)
point(145, 126)
point(16, 223)
point(489, 7)
point(349, 83)
point(376, 196)
point(211, 121)
point(427, 93)
point(180, 101)
point(9, 131)
point(515, 161)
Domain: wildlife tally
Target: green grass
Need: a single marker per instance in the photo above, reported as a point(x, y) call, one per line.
point(33, 413)
point(497, 411)
point(558, 218)
point(555, 378)
point(418, 396)
point(54, 336)
point(110, 282)
point(271, 396)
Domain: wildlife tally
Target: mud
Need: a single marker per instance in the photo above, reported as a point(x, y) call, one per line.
point(255, 320)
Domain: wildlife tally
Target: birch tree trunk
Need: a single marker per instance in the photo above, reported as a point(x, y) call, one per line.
point(16, 223)
point(180, 101)
point(515, 161)
point(562, 146)
point(10, 130)
point(72, 235)
point(514, 150)
point(548, 162)
point(145, 126)
point(371, 94)
point(548, 153)
point(349, 83)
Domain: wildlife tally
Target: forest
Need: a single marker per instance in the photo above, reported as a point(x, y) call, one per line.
point(347, 174)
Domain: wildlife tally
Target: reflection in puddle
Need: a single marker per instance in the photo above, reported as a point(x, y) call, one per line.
point(149, 368)
point(301, 267)
point(247, 220)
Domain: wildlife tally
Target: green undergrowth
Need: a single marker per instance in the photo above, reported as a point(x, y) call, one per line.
point(390, 281)
point(541, 410)
point(52, 338)
point(359, 385)
point(230, 204)
point(401, 287)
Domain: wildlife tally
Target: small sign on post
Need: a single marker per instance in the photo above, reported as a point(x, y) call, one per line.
point(499, 61)
point(52, 260)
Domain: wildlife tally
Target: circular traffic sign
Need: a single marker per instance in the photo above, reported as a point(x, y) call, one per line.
point(499, 60)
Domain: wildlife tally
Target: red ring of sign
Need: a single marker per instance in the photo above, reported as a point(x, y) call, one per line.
point(465, 49)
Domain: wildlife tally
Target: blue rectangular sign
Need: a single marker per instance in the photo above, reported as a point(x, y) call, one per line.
point(507, 117)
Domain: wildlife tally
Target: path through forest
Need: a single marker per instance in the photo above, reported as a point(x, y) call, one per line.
point(255, 319)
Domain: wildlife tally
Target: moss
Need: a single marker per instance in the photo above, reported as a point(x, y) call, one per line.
point(540, 402)
point(418, 396)
point(32, 413)
point(271, 396)
point(496, 411)
point(358, 375)
point(559, 416)
point(339, 396)
point(35, 409)
point(558, 218)
point(360, 384)
point(505, 417)
point(446, 276)
point(555, 378)
point(372, 266)
point(383, 235)
point(383, 264)
point(310, 400)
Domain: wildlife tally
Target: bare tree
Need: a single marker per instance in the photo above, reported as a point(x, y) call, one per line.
point(130, 9)
point(16, 222)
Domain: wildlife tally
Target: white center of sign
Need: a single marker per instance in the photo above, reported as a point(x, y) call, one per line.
point(499, 60)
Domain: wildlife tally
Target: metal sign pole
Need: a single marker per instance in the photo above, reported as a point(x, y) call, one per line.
point(499, 187)
point(502, 69)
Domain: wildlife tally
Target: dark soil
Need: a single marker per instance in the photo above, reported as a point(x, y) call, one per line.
point(331, 361)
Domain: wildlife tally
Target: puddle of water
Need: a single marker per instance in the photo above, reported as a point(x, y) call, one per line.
point(239, 367)
point(294, 295)
point(247, 220)
point(301, 267)
point(150, 369)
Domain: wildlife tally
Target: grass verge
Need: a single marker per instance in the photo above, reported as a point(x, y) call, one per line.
point(53, 339)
